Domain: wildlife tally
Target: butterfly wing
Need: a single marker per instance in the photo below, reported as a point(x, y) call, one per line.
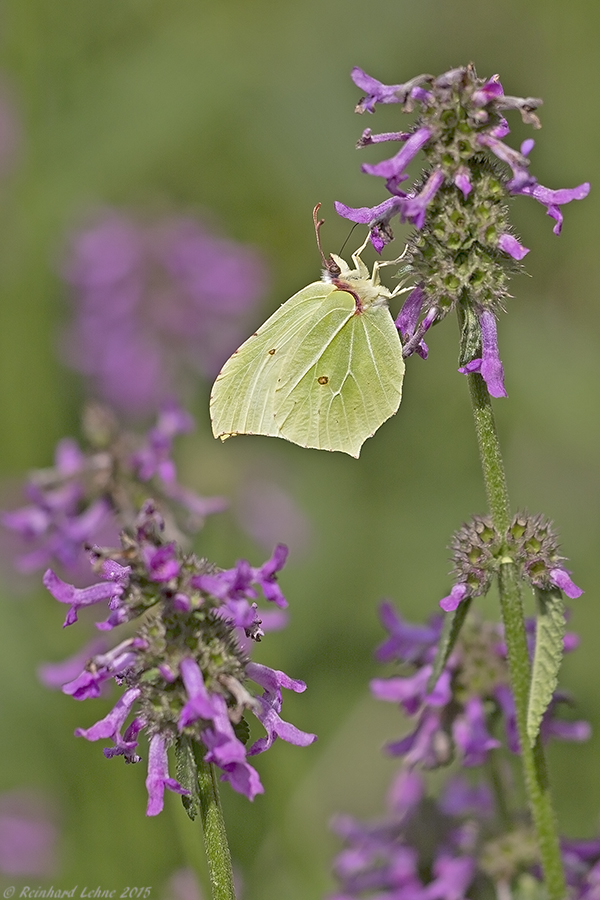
point(243, 395)
point(338, 387)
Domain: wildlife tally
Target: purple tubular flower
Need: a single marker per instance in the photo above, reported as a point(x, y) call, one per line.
point(376, 91)
point(234, 587)
point(110, 726)
point(407, 323)
point(453, 875)
point(460, 798)
point(489, 366)
point(471, 735)
point(79, 598)
point(561, 578)
point(199, 704)
point(411, 692)
point(227, 752)
point(270, 706)
point(462, 180)
point(104, 667)
point(415, 208)
point(376, 217)
point(456, 596)
point(517, 161)
point(509, 244)
point(393, 169)
point(488, 91)
point(408, 642)
point(55, 675)
point(158, 776)
point(553, 200)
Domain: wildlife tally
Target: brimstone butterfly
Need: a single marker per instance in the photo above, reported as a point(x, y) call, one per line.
point(324, 371)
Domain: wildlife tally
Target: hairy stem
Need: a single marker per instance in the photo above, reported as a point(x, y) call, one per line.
point(511, 601)
point(215, 835)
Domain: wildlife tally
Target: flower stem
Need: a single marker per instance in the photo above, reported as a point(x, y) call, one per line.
point(511, 602)
point(215, 835)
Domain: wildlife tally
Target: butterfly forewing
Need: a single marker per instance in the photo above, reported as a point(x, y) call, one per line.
point(337, 395)
point(242, 398)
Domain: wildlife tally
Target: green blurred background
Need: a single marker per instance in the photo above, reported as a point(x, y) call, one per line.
point(244, 108)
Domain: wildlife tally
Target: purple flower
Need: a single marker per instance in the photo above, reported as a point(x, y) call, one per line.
point(561, 578)
point(456, 595)
point(385, 93)
point(78, 598)
point(28, 835)
point(154, 303)
point(158, 776)
point(471, 735)
point(55, 675)
point(489, 365)
point(74, 503)
point(553, 200)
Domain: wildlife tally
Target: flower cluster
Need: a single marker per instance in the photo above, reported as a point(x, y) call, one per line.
point(463, 844)
point(530, 543)
point(458, 716)
point(184, 669)
point(89, 494)
point(449, 849)
point(155, 301)
point(463, 250)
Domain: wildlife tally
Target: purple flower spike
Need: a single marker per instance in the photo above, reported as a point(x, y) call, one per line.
point(561, 578)
point(456, 596)
point(553, 200)
point(158, 776)
point(509, 244)
point(489, 366)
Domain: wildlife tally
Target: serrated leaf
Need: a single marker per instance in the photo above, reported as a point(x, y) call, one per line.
point(453, 623)
point(187, 775)
point(549, 634)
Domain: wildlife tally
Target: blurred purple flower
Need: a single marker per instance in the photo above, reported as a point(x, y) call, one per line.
point(155, 302)
point(87, 495)
point(28, 835)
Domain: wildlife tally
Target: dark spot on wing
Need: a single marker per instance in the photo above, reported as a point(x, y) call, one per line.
point(271, 352)
point(323, 379)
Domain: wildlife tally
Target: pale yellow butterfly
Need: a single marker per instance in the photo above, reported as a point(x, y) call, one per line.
point(324, 371)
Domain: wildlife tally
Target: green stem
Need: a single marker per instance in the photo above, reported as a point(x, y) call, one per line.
point(215, 835)
point(511, 602)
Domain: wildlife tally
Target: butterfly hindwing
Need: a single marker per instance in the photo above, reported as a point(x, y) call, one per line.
point(242, 398)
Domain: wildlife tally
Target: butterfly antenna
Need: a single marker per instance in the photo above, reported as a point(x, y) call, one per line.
point(331, 266)
point(350, 233)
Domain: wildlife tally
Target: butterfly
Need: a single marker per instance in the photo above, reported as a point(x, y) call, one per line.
point(324, 371)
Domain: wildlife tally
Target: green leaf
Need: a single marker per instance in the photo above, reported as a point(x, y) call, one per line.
point(452, 626)
point(549, 634)
point(187, 775)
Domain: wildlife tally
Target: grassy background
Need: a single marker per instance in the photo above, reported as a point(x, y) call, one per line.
point(245, 109)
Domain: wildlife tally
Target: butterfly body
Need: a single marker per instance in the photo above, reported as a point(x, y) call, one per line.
point(324, 371)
